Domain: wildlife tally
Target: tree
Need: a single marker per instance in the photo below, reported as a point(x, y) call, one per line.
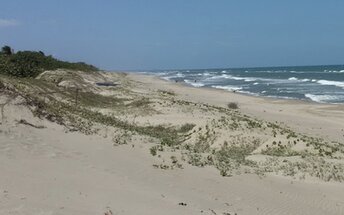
point(6, 50)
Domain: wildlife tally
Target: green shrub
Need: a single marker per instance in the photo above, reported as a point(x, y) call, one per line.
point(153, 150)
point(6, 50)
point(31, 64)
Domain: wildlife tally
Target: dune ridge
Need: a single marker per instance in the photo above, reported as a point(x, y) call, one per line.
point(148, 146)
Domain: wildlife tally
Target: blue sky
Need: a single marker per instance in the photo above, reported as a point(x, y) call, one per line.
point(162, 34)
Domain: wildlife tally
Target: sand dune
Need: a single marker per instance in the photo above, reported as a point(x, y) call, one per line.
point(52, 170)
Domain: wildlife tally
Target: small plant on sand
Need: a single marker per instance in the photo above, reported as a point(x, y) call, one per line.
point(279, 151)
point(153, 150)
point(186, 127)
point(161, 166)
point(122, 138)
point(175, 163)
point(231, 157)
point(140, 103)
point(196, 159)
point(232, 105)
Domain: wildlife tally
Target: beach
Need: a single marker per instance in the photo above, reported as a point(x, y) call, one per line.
point(323, 120)
point(118, 161)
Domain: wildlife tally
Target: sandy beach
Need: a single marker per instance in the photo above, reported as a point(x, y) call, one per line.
point(113, 158)
point(323, 120)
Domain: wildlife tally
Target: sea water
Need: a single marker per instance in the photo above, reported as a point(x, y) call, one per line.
point(323, 84)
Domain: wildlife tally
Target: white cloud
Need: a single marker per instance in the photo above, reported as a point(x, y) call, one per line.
point(8, 23)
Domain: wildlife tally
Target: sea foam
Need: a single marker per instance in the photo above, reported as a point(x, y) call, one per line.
point(331, 83)
point(322, 98)
point(228, 87)
point(195, 84)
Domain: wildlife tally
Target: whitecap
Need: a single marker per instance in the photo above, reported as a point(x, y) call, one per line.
point(321, 98)
point(293, 79)
point(228, 87)
point(331, 83)
point(194, 84)
point(247, 79)
point(158, 74)
point(180, 75)
point(296, 79)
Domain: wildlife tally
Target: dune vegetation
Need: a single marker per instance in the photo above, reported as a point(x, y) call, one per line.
point(32, 63)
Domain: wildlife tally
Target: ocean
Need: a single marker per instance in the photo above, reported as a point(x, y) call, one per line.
point(323, 84)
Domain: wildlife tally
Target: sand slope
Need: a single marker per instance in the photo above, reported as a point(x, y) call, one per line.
point(52, 171)
point(48, 171)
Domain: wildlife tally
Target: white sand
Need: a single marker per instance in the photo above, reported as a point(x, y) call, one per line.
point(50, 172)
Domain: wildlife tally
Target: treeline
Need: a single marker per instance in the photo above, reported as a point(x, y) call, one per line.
point(32, 63)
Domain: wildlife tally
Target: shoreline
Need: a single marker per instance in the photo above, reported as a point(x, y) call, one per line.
point(242, 93)
point(267, 98)
point(271, 98)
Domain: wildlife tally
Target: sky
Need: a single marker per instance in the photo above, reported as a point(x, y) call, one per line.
point(178, 34)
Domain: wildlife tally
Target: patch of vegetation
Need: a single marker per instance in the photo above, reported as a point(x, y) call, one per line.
point(122, 138)
point(311, 166)
point(82, 117)
point(153, 150)
point(65, 112)
point(230, 158)
point(197, 159)
point(32, 63)
point(161, 166)
point(186, 127)
point(233, 105)
point(140, 103)
point(204, 140)
point(280, 151)
point(95, 100)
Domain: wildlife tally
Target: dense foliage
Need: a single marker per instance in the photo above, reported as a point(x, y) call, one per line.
point(32, 63)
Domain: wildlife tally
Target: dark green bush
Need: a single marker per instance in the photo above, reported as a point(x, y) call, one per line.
point(31, 64)
point(6, 50)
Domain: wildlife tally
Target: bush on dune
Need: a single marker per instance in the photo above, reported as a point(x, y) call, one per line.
point(32, 63)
